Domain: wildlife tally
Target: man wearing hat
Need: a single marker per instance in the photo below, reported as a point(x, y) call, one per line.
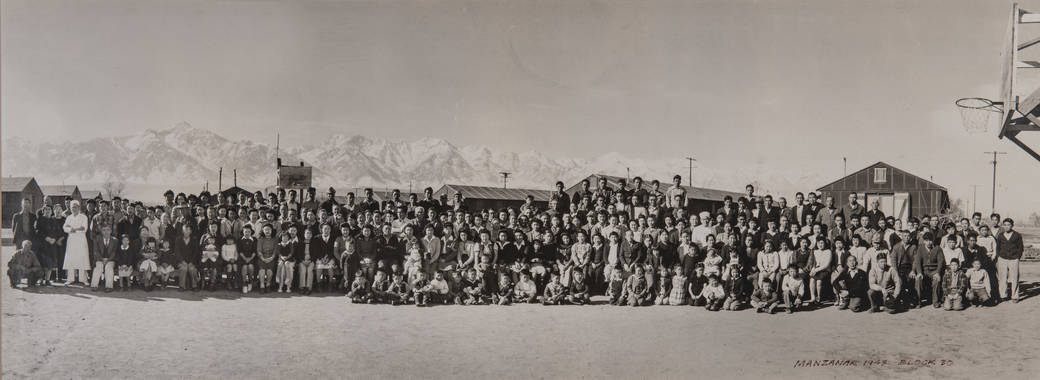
point(330, 203)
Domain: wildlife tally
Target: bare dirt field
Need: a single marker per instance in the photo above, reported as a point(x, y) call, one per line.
point(71, 332)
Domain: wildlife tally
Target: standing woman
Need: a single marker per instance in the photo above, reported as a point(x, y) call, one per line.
point(820, 271)
point(77, 258)
point(48, 233)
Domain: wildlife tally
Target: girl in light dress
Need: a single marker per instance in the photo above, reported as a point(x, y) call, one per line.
point(677, 296)
point(229, 255)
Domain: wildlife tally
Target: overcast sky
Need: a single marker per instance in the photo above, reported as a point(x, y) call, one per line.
point(786, 83)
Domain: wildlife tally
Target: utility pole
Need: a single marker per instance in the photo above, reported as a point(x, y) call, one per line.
point(974, 203)
point(690, 178)
point(505, 178)
point(993, 204)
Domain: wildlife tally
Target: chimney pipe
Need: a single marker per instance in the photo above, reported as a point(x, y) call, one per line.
point(279, 162)
point(301, 164)
point(235, 171)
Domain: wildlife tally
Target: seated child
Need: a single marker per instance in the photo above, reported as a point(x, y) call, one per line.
point(125, 258)
point(413, 264)
point(733, 282)
point(525, 290)
point(954, 285)
point(430, 291)
point(472, 289)
point(24, 264)
point(398, 292)
point(792, 288)
point(380, 289)
point(578, 293)
point(555, 292)
point(616, 287)
point(437, 291)
point(167, 263)
point(420, 289)
point(210, 255)
point(359, 288)
point(638, 289)
point(695, 286)
point(713, 263)
point(764, 299)
point(504, 295)
point(229, 254)
point(978, 284)
point(714, 294)
point(149, 263)
point(455, 286)
point(488, 280)
point(663, 288)
point(677, 295)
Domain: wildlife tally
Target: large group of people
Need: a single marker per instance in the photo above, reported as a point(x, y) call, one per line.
point(632, 243)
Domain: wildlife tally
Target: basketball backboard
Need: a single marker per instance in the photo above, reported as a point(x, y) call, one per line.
point(1018, 103)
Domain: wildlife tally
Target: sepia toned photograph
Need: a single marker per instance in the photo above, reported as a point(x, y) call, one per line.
point(523, 189)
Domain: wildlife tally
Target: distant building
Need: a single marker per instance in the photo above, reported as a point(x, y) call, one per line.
point(58, 194)
point(14, 190)
point(698, 198)
point(901, 195)
point(91, 194)
point(234, 191)
point(486, 197)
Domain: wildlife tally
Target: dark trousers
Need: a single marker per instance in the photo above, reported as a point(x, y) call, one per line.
point(16, 274)
point(877, 300)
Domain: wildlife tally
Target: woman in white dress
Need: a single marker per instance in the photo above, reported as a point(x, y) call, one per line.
point(77, 257)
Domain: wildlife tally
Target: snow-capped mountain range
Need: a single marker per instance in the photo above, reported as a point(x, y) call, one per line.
point(185, 154)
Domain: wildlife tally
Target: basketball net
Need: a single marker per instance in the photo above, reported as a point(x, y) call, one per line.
point(977, 114)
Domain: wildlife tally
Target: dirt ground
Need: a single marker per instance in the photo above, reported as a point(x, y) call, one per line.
point(75, 333)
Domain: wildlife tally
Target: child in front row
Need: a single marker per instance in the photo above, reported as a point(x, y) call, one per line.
point(430, 291)
point(526, 290)
point(380, 288)
point(504, 295)
point(792, 288)
point(714, 294)
point(472, 290)
point(167, 263)
point(695, 286)
point(210, 255)
point(578, 294)
point(677, 295)
point(954, 285)
point(229, 254)
point(764, 299)
point(978, 284)
point(616, 287)
point(663, 288)
point(555, 292)
point(398, 292)
point(149, 264)
point(358, 289)
point(734, 284)
point(125, 261)
point(638, 289)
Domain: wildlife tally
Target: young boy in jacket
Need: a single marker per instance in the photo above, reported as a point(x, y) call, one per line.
point(954, 285)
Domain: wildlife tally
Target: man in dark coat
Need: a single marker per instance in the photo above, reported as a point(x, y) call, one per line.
point(23, 224)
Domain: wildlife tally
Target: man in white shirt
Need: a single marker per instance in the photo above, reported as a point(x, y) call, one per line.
point(700, 231)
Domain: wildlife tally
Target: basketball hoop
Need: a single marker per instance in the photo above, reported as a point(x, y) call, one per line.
point(976, 113)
